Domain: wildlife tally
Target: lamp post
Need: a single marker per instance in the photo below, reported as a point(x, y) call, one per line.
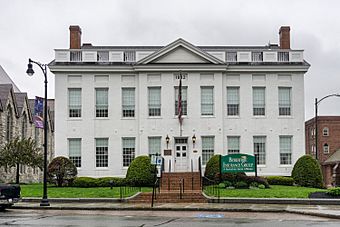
point(30, 72)
point(316, 120)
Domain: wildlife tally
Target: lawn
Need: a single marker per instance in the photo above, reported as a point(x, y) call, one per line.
point(35, 190)
point(275, 191)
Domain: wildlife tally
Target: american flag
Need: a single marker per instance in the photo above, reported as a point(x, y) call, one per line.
point(38, 112)
point(180, 110)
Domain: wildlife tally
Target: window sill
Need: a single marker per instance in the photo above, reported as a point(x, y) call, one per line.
point(102, 168)
point(285, 166)
point(155, 117)
point(208, 116)
point(233, 116)
point(128, 118)
point(259, 117)
point(74, 119)
point(261, 166)
point(102, 118)
point(285, 117)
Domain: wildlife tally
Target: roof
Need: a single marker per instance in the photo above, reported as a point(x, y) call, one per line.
point(334, 158)
point(5, 79)
point(323, 119)
point(20, 97)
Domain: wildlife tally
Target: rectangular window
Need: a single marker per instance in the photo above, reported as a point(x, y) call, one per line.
point(74, 102)
point(102, 104)
point(154, 100)
point(285, 150)
point(128, 151)
point(260, 149)
point(233, 101)
point(285, 101)
point(74, 151)
point(207, 101)
point(155, 146)
point(208, 143)
point(233, 144)
point(128, 102)
point(259, 101)
point(102, 148)
point(184, 101)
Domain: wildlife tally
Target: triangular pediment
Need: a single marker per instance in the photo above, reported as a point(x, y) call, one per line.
point(180, 52)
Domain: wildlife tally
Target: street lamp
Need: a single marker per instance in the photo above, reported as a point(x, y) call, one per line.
point(30, 72)
point(193, 140)
point(167, 140)
point(316, 120)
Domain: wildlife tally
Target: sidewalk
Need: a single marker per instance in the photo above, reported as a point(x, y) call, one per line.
point(329, 211)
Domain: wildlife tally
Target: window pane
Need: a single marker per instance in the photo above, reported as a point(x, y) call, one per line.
point(74, 149)
point(284, 101)
point(101, 102)
point(74, 102)
point(259, 101)
point(102, 152)
point(154, 101)
point(155, 146)
point(184, 100)
point(260, 149)
point(128, 102)
point(233, 101)
point(233, 144)
point(285, 150)
point(207, 148)
point(207, 100)
point(128, 150)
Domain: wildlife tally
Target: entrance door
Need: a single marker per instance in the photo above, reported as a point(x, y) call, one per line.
point(181, 154)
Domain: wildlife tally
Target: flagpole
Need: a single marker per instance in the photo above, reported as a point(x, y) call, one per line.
point(180, 107)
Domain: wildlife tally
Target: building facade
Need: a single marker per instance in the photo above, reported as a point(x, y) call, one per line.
point(16, 120)
point(113, 103)
point(328, 149)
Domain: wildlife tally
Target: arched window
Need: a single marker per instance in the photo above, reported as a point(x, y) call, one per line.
point(325, 148)
point(325, 131)
point(24, 126)
point(9, 128)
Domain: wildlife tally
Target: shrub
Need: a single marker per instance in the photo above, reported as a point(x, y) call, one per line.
point(261, 186)
point(307, 172)
point(85, 182)
point(105, 181)
point(212, 168)
point(254, 184)
point(279, 180)
point(228, 184)
point(241, 185)
point(140, 172)
point(61, 171)
point(221, 185)
point(333, 191)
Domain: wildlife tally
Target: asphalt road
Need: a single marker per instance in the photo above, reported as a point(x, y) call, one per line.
point(30, 218)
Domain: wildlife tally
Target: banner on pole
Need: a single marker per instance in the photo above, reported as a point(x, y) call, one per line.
point(38, 112)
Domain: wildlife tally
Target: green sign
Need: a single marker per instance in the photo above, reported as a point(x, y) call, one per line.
point(234, 163)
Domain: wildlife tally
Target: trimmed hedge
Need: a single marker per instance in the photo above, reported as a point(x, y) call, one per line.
point(280, 180)
point(233, 178)
point(307, 172)
point(90, 182)
point(212, 167)
point(333, 191)
point(141, 172)
point(61, 171)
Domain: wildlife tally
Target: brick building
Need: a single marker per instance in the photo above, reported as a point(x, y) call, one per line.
point(328, 146)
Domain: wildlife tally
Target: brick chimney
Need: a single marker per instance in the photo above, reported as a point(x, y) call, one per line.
point(284, 37)
point(75, 37)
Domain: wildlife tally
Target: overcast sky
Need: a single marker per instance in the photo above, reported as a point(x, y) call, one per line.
point(34, 28)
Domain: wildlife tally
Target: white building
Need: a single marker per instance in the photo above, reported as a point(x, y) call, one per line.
point(113, 103)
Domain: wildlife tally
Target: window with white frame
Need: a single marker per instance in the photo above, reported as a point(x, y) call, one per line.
point(74, 151)
point(233, 144)
point(74, 102)
point(102, 103)
point(207, 101)
point(102, 149)
point(325, 148)
point(285, 150)
point(128, 102)
point(154, 99)
point(259, 101)
point(260, 149)
point(208, 144)
point(325, 131)
point(285, 101)
point(184, 100)
point(128, 151)
point(155, 146)
point(233, 101)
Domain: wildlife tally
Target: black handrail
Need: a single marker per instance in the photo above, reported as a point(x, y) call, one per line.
point(200, 170)
point(126, 190)
point(211, 187)
point(154, 192)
